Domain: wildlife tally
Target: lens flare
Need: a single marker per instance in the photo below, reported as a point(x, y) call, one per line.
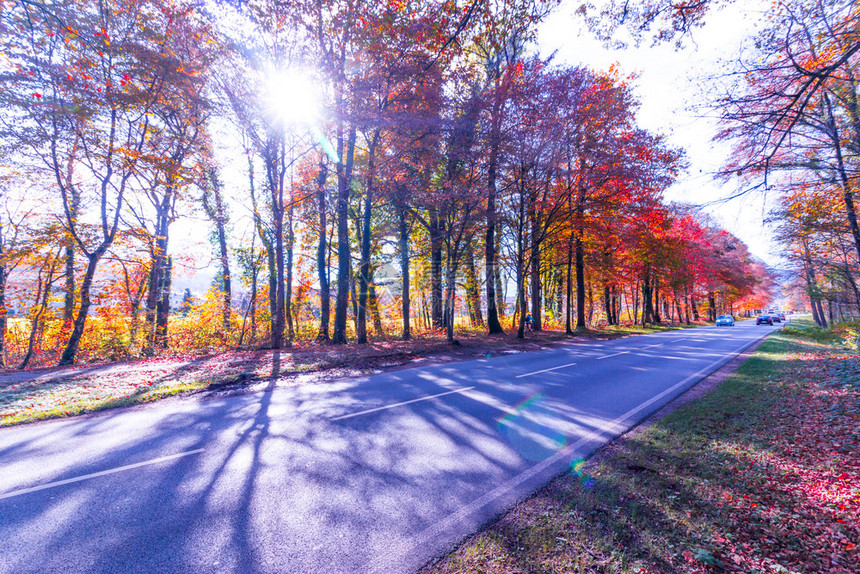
point(292, 97)
point(530, 429)
point(325, 144)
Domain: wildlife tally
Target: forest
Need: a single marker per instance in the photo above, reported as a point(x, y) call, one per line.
point(393, 169)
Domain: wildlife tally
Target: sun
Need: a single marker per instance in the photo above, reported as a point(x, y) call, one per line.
point(292, 97)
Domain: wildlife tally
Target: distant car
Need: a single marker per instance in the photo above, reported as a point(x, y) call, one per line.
point(726, 320)
point(763, 320)
point(775, 318)
point(782, 317)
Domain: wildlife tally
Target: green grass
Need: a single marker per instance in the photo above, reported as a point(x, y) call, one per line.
point(747, 479)
point(24, 404)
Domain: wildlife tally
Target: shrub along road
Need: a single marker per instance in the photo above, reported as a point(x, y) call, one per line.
point(377, 473)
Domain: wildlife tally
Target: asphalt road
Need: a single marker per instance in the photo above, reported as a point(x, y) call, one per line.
point(372, 474)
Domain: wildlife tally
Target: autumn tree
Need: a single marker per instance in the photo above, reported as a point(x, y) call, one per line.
point(82, 84)
point(794, 103)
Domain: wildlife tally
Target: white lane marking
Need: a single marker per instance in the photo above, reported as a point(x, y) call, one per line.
point(386, 563)
point(658, 356)
point(100, 473)
point(545, 370)
point(612, 355)
point(368, 411)
point(655, 345)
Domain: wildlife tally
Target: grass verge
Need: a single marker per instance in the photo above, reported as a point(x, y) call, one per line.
point(61, 399)
point(762, 475)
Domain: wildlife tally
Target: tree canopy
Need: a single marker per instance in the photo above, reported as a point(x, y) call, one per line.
point(364, 170)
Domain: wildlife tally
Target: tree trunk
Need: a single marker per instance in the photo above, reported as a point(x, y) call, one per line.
point(686, 306)
point(154, 289)
point(607, 304)
point(656, 297)
point(521, 296)
point(580, 281)
point(344, 183)
point(322, 248)
point(580, 253)
point(275, 175)
point(71, 349)
point(815, 316)
point(43, 292)
point(373, 305)
point(74, 202)
point(712, 307)
point(520, 311)
point(163, 308)
point(616, 305)
point(267, 245)
point(813, 290)
point(569, 285)
point(635, 295)
point(288, 286)
point(364, 264)
point(253, 309)
point(353, 298)
point(473, 291)
point(273, 287)
point(494, 326)
point(590, 305)
point(435, 270)
point(535, 284)
point(158, 265)
point(844, 179)
point(535, 287)
point(425, 311)
point(3, 311)
point(450, 299)
point(404, 272)
point(491, 274)
point(821, 313)
point(846, 271)
point(218, 215)
point(647, 299)
point(500, 290)
point(559, 294)
point(69, 295)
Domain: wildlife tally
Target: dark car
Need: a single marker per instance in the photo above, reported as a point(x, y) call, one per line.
point(764, 320)
point(775, 318)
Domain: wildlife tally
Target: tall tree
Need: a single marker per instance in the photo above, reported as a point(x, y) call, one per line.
point(86, 79)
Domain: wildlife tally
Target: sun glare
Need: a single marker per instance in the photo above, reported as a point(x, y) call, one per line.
point(292, 97)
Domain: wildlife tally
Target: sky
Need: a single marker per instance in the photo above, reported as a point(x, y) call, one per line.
point(671, 84)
